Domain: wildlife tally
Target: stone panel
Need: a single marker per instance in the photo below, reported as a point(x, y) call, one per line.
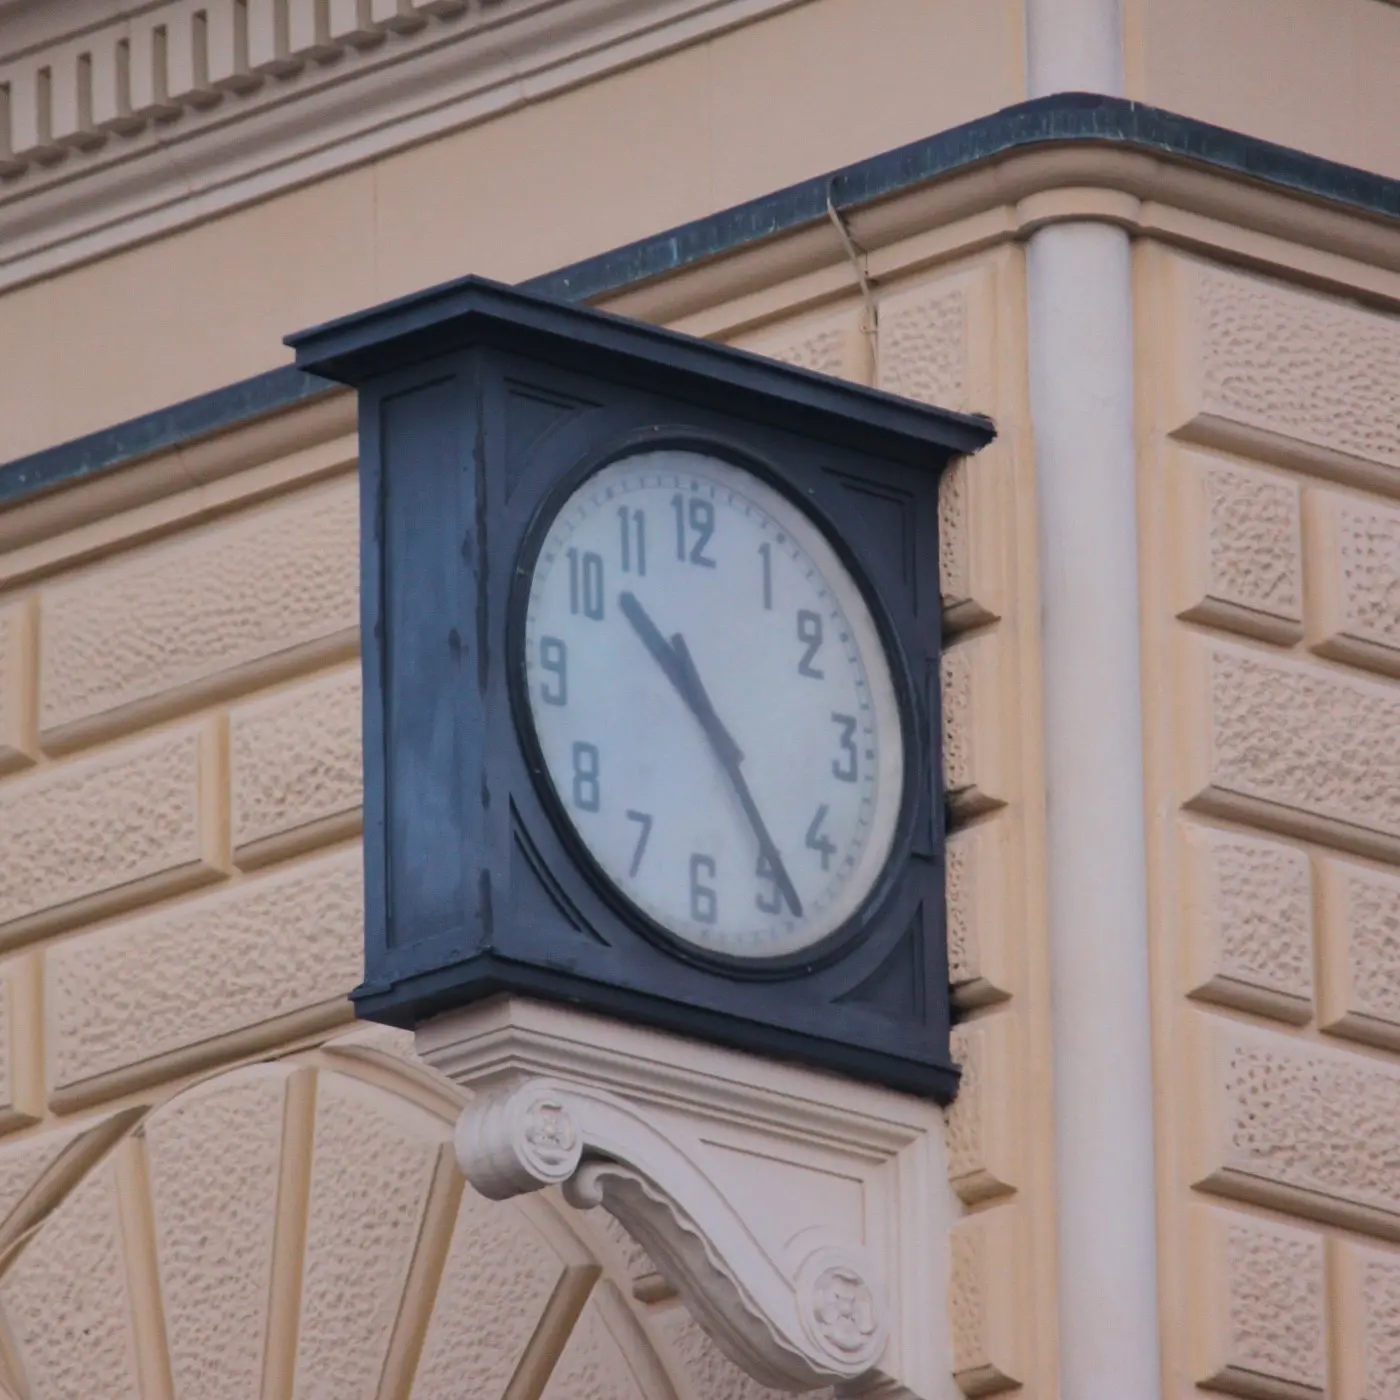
point(17, 686)
point(1366, 1318)
point(979, 935)
point(926, 342)
point(974, 744)
point(216, 609)
point(982, 1120)
point(1298, 1126)
point(373, 1165)
point(1354, 563)
point(1292, 745)
point(295, 764)
point(987, 1267)
point(500, 1273)
point(21, 1043)
point(709, 1373)
point(833, 343)
point(1240, 558)
point(88, 838)
point(37, 1171)
point(1247, 923)
point(67, 1305)
point(602, 1356)
point(1280, 369)
point(1257, 1296)
point(214, 1157)
point(973, 521)
point(208, 978)
point(1360, 953)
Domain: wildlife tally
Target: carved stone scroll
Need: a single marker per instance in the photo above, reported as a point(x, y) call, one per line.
point(796, 1214)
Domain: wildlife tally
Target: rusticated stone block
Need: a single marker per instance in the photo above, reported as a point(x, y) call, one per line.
point(213, 977)
point(1296, 373)
point(710, 1374)
point(973, 520)
point(1292, 745)
point(985, 1309)
point(67, 1303)
point(295, 761)
point(17, 686)
point(603, 1356)
point(21, 1043)
point(1240, 554)
point(1366, 1321)
point(215, 1157)
point(980, 945)
point(372, 1168)
point(86, 839)
point(501, 1272)
point(936, 341)
point(974, 745)
point(833, 343)
point(217, 609)
point(982, 1121)
point(1360, 964)
point(1298, 1126)
point(1354, 569)
point(1257, 1321)
point(1247, 920)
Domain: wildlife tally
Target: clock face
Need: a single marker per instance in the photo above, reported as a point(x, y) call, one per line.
point(713, 704)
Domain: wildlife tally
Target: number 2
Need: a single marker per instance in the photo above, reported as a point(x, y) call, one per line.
point(809, 631)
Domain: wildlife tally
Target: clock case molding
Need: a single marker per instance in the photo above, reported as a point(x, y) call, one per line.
point(481, 407)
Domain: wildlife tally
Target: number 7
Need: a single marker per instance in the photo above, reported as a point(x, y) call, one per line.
point(643, 819)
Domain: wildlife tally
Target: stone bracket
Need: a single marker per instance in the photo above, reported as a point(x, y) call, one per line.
point(796, 1214)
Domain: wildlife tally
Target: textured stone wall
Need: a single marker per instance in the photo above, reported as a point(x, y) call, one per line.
point(1272, 612)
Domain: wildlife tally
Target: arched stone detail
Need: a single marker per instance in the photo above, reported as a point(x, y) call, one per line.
point(299, 1230)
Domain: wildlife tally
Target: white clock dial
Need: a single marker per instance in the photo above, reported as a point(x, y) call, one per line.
point(713, 704)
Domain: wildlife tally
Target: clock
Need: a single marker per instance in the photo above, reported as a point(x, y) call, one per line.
point(650, 631)
point(713, 705)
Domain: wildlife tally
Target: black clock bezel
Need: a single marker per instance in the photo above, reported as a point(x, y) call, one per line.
point(743, 456)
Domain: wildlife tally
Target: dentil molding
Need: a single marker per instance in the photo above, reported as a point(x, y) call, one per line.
point(123, 119)
point(803, 1219)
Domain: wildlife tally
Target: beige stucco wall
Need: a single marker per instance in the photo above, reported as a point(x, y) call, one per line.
point(1269, 477)
point(737, 116)
point(1316, 76)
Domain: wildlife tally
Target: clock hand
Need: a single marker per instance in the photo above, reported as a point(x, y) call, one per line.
point(675, 660)
point(730, 760)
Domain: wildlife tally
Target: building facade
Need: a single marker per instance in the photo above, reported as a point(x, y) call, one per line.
point(1157, 242)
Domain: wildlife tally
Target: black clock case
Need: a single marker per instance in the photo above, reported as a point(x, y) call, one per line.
point(480, 408)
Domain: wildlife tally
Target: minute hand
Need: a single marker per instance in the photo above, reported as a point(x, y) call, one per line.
point(730, 759)
point(674, 659)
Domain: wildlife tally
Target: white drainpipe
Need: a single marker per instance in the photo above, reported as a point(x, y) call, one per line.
point(1081, 387)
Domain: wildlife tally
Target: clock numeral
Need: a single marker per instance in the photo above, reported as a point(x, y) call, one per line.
point(587, 790)
point(766, 551)
point(699, 515)
point(643, 819)
point(634, 539)
point(848, 767)
point(586, 584)
point(554, 657)
point(809, 631)
point(704, 906)
point(771, 900)
point(818, 841)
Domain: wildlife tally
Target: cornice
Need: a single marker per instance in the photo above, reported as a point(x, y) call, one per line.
point(1069, 157)
point(120, 121)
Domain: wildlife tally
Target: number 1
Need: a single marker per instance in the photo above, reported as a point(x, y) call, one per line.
point(766, 550)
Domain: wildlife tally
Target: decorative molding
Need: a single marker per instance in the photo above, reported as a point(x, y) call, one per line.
point(797, 1220)
point(115, 127)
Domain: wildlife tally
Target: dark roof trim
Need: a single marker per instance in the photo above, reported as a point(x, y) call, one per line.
point(1061, 119)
